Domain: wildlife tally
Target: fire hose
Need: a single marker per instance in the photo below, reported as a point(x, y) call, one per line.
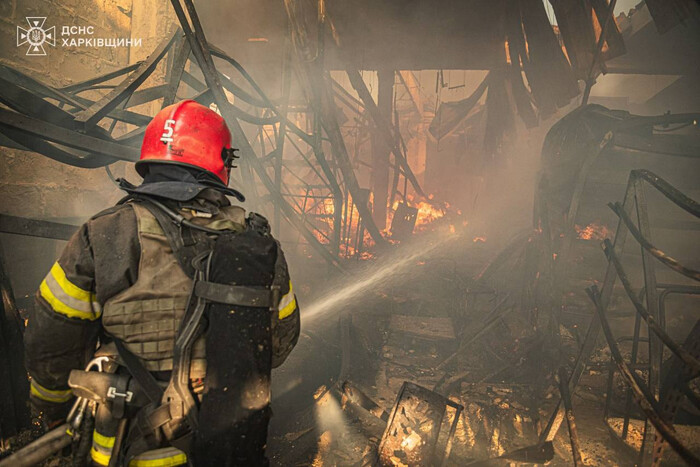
point(58, 438)
point(40, 449)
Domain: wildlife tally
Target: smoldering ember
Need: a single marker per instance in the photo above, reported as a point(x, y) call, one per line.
point(349, 232)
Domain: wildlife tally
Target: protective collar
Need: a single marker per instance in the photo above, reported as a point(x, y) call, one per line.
point(177, 184)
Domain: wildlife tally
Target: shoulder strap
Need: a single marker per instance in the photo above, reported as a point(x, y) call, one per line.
point(144, 377)
point(241, 295)
point(185, 242)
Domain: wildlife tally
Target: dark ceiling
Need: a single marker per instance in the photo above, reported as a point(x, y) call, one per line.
point(394, 34)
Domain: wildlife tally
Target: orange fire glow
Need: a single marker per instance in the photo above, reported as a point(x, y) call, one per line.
point(593, 231)
point(427, 213)
point(479, 240)
point(320, 213)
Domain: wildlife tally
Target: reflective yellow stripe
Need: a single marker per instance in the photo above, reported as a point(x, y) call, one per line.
point(102, 440)
point(98, 457)
point(49, 395)
point(59, 307)
point(68, 287)
point(102, 446)
point(166, 457)
point(288, 309)
point(288, 303)
point(66, 298)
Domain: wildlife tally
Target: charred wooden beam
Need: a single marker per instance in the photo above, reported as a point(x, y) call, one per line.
point(576, 28)
point(549, 74)
point(359, 398)
point(590, 78)
point(535, 454)
point(613, 38)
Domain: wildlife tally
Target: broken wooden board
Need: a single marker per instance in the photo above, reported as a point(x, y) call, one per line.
point(427, 327)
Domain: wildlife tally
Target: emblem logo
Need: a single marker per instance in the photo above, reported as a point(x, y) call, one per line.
point(36, 36)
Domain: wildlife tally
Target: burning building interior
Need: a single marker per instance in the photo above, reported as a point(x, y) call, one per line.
point(488, 210)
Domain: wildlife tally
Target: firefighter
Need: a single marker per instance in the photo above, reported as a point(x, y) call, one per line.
point(125, 282)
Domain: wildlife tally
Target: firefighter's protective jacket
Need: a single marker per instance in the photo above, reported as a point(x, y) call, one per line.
point(118, 277)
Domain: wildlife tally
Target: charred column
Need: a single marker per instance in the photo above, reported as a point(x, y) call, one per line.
point(381, 150)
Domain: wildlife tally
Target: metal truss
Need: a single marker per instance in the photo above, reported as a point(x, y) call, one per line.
point(630, 135)
point(298, 156)
point(658, 400)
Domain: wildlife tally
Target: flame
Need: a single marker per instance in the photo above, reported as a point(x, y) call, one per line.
point(323, 211)
point(328, 206)
point(319, 211)
point(427, 213)
point(479, 240)
point(593, 231)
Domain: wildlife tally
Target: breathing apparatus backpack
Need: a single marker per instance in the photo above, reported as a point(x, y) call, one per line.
point(236, 282)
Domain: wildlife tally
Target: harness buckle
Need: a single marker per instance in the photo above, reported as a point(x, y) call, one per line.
point(113, 394)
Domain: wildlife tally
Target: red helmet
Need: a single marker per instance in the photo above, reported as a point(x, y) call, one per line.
point(190, 134)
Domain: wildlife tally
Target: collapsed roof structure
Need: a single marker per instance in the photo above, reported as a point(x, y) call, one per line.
point(269, 75)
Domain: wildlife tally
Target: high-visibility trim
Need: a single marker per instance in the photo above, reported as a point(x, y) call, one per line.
point(102, 445)
point(59, 307)
point(49, 395)
point(165, 457)
point(102, 440)
point(66, 298)
point(100, 458)
point(68, 287)
point(288, 303)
